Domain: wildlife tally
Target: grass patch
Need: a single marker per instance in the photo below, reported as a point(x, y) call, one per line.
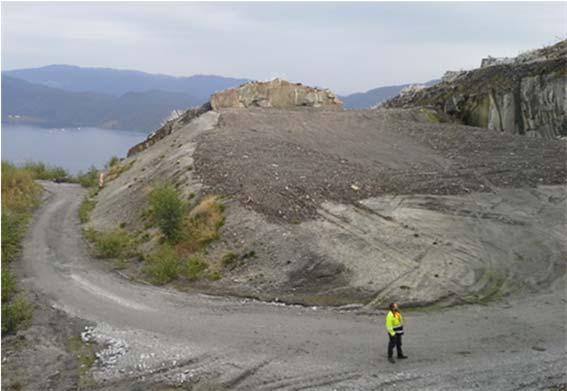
point(195, 268)
point(215, 275)
point(8, 284)
point(86, 357)
point(88, 179)
point(17, 313)
point(162, 265)
point(20, 194)
point(202, 224)
point(85, 209)
point(117, 243)
point(13, 230)
point(19, 191)
point(120, 264)
point(114, 160)
point(42, 171)
point(431, 116)
point(116, 168)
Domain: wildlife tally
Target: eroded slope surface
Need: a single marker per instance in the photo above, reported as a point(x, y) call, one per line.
point(286, 163)
point(361, 206)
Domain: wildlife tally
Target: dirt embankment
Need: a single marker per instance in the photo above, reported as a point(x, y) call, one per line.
point(359, 206)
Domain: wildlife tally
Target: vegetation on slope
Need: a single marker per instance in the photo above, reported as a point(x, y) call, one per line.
point(20, 194)
point(40, 170)
point(172, 244)
point(186, 231)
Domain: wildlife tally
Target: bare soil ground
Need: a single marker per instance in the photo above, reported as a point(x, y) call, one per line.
point(360, 206)
point(285, 163)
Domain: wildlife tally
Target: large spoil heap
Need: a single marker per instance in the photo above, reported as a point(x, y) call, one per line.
point(355, 206)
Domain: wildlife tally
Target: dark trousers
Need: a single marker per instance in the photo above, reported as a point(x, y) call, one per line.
point(396, 341)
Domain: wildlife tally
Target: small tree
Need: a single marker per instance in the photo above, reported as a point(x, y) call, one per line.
point(168, 211)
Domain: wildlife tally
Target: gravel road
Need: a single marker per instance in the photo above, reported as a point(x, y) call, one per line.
point(154, 335)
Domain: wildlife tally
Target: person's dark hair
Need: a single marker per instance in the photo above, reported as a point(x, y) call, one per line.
point(392, 306)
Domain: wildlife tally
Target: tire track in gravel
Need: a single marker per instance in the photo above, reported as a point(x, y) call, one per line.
point(259, 346)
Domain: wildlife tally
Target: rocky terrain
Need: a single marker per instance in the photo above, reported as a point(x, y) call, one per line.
point(328, 215)
point(355, 206)
point(523, 95)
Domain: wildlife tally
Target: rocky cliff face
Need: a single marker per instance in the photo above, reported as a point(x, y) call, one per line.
point(523, 95)
point(277, 94)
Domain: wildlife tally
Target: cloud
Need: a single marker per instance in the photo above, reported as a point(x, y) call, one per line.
point(347, 47)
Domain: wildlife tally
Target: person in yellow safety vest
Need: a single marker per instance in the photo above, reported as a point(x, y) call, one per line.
point(395, 328)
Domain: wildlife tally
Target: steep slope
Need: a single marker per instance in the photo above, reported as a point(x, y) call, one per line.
point(118, 82)
point(28, 103)
point(330, 206)
point(523, 95)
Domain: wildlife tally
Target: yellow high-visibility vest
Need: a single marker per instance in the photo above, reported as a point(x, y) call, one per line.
point(394, 323)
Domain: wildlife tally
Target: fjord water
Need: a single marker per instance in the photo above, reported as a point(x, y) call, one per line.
point(74, 149)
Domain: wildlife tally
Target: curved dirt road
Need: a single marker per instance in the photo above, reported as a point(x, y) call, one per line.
point(161, 334)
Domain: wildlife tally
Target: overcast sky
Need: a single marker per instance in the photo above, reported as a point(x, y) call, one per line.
point(347, 47)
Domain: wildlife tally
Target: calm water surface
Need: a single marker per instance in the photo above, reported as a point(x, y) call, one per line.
point(74, 149)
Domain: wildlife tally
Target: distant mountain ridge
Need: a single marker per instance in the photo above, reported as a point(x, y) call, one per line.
point(67, 96)
point(29, 103)
point(119, 82)
point(365, 100)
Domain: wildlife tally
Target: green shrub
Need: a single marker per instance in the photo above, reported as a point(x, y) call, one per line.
point(110, 244)
point(229, 259)
point(40, 170)
point(168, 211)
point(195, 268)
point(113, 161)
point(249, 254)
point(162, 266)
point(214, 276)
point(89, 178)
point(15, 314)
point(85, 209)
point(8, 285)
